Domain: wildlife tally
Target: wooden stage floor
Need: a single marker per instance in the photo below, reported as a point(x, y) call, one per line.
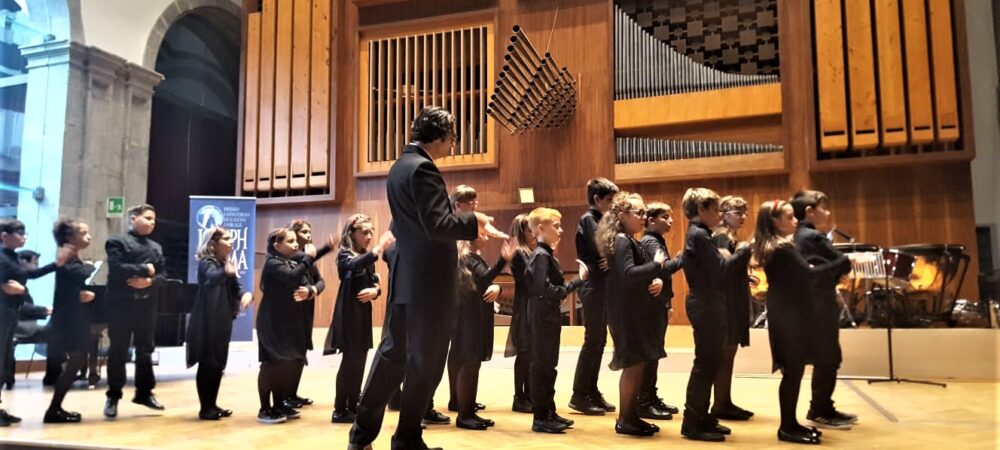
point(911, 416)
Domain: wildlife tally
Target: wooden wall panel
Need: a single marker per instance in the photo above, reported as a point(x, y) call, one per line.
point(251, 103)
point(319, 97)
point(283, 95)
point(265, 146)
point(301, 72)
point(830, 77)
point(943, 61)
point(918, 77)
point(892, 91)
point(864, 123)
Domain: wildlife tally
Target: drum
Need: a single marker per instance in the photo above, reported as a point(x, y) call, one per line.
point(899, 267)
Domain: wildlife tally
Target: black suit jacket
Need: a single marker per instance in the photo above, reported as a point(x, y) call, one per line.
point(818, 250)
point(424, 270)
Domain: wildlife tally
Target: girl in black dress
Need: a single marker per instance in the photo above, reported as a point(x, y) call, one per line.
point(69, 323)
point(314, 285)
point(472, 342)
point(519, 335)
point(350, 330)
point(737, 298)
point(281, 341)
point(632, 286)
point(220, 298)
point(789, 309)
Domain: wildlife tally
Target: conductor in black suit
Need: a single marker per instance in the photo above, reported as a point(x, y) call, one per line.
point(422, 297)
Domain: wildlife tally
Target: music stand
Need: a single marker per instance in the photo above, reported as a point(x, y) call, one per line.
point(890, 297)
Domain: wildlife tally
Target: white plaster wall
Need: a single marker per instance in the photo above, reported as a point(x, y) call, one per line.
point(983, 73)
point(121, 27)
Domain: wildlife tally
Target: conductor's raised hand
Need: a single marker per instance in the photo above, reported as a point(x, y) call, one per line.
point(492, 293)
point(584, 272)
point(367, 294)
point(486, 228)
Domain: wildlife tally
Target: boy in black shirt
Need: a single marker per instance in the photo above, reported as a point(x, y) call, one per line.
point(586, 398)
point(814, 219)
point(135, 265)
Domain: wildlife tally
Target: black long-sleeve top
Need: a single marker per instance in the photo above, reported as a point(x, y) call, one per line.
point(128, 254)
point(11, 268)
point(651, 243)
point(818, 250)
point(705, 268)
point(545, 277)
point(586, 244)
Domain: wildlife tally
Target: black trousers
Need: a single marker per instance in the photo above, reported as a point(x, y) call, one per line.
point(131, 321)
point(349, 378)
point(546, 324)
point(8, 323)
point(827, 355)
point(414, 348)
point(709, 338)
point(648, 390)
point(208, 380)
point(595, 338)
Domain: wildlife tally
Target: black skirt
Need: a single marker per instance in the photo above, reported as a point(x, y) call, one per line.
point(70, 322)
point(351, 326)
point(519, 334)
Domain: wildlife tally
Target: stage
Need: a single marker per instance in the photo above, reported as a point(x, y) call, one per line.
point(965, 414)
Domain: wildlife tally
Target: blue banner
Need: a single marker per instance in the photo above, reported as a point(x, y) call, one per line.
point(239, 216)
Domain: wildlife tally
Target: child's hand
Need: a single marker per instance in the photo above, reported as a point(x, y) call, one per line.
point(386, 241)
point(86, 296)
point(301, 294)
point(331, 240)
point(584, 272)
point(230, 269)
point(742, 245)
point(310, 250)
point(151, 269)
point(660, 257)
point(246, 300)
point(656, 287)
point(492, 293)
point(507, 249)
point(368, 294)
point(64, 254)
point(12, 287)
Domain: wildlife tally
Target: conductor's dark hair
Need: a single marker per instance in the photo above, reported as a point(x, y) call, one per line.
point(138, 210)
point(11, 226)
point(804, 199)
point(601, 187)
point(433, 124)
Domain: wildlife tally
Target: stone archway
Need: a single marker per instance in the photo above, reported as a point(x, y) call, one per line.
point(181, 8)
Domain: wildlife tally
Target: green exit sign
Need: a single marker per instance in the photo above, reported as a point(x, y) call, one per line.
point(115, 206)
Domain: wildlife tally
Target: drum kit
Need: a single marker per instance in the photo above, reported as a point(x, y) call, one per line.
point(913, 286)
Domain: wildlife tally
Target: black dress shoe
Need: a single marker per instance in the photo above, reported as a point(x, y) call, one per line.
point(210, 414)
point(721, 429)
point(224, 412)
point(433, 417)
point(651, 426)
point(632, 429)
point(61, 416)
point(731, 412)
point(6, 419)
point(149, 401)
point(470, 423)
point(650, 411)
point(302, 401)
point(569, 423)
point(797, 437)
point(111, 408)
point(287, 411)
point(696, 429)
point(665, 407)
point(598, 399)
point(548, 426)
point(480, 406)
point(585, 405)
point(521, 405)
point(488, 422)
point(343, 417)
